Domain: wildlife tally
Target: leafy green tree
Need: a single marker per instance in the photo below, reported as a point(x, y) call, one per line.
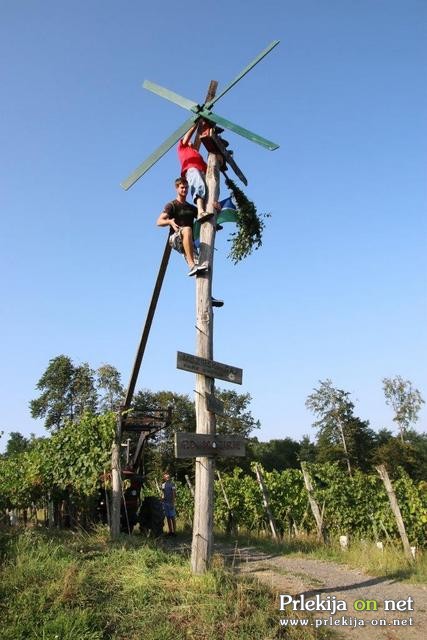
point(109, 384)
point(335, 410)
point(17, 443)
point(342, 436)
point(307, 450)
point(67, 392)
point(410, 455)
point(84, 395)
point(238, 419)
point(405, 400)
point(275, 454)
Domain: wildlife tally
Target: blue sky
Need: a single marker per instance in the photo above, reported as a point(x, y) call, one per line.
point(338, 289)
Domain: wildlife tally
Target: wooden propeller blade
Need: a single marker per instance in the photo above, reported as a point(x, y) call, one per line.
point(158, 153)
point(227, 124)
point(259, 57)
point(171, 96)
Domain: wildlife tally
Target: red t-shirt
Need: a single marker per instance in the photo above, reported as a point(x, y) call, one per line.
point(190, 158)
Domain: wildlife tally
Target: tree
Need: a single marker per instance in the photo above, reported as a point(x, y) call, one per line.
point(67, 392)
point(275, 454)
point(335, 410)
point(405, 400)
point(108, 382)
point(16, 444)
point(238, 419)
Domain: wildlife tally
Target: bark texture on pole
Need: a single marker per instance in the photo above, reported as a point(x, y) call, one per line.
point(116, 481)
point(201, 550)
point(382, 472)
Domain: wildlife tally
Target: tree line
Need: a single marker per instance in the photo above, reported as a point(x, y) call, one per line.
point(77, 404)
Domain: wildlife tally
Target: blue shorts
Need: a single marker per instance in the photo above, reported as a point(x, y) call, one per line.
point(196, 183)
point(169, 510)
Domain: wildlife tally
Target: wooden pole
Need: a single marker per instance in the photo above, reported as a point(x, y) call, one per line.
point(190, 486)
point(201, 549)
point(266, 503)
point(115, 452)
point(382, 471)
point(116, 481)
point(313, 504)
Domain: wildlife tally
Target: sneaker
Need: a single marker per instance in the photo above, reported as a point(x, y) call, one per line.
point(219, 227)
point(201, 268)
point(217, 303)
point(193, 270)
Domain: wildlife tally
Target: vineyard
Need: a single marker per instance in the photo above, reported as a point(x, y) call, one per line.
point(65, 469)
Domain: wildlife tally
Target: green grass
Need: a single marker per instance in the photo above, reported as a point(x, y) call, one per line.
point(360, 555)
point(65, 586)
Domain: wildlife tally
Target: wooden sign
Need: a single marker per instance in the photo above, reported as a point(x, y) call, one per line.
point(214, 405)
point(194, 445)
point(209, 368)
point(140, 422)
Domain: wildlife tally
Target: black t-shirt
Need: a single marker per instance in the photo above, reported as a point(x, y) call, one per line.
point(183, 213)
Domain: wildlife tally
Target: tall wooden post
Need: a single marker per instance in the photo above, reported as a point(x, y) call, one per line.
point(116, 481)
point(382, 471)
point(201, 550)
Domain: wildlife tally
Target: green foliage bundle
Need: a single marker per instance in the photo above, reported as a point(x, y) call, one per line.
point(73, 458)
point(250, 226)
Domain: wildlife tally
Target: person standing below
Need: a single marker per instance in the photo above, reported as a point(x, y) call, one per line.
point(169, 498)
point(179, 215)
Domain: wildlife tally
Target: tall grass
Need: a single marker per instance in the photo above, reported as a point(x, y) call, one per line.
point(65, 586)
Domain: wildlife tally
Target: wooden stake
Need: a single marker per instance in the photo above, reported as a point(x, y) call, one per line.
point(382, 471)
point(266, 502)
point(231, 526)
point(116, 481)
point(190, 486)
point(313, 504)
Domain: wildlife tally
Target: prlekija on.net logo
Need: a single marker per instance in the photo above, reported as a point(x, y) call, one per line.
point(332, 604)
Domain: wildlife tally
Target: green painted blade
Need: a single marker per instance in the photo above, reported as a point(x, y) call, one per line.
point(171, 96)
point(156, 155)
point(268, 144)
point(259, 57)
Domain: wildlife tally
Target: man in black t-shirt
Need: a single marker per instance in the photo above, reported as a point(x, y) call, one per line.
point(179, 215)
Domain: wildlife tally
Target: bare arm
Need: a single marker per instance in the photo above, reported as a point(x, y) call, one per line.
point(164, 221)
point(186, 139)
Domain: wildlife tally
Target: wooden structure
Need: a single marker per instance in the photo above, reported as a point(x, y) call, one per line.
point(219, 156)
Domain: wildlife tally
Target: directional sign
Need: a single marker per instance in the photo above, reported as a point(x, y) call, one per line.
point(194, 445)
point(214, 405)
point(209, 368)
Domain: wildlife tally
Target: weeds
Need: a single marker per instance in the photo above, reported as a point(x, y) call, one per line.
point(60, 585)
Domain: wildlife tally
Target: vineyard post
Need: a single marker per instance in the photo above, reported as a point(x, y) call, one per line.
point(190, 486)
point(313, 504)
point(116, 481)
point(382, 471)
point(231, 526)
point(266, 502)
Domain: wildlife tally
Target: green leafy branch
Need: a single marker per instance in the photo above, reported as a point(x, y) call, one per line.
point(250, 225)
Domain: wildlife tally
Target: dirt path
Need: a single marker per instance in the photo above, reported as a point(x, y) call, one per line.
point(329, 583)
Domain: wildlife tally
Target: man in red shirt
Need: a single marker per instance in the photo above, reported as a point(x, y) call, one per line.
point(193, 169)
